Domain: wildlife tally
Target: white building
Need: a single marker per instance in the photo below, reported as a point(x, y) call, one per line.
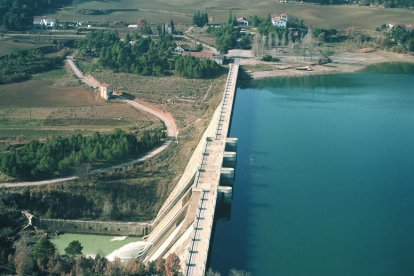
point(105, 91)
point(242, 21)
point(44, 21)
point(280, 21)
point(182, 49)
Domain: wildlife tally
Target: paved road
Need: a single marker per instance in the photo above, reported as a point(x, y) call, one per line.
point(168, 121)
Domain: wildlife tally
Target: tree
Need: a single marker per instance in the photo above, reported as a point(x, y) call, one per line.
point(188, 67)
point(270, 41)
point(172, 265)
point(74, 248)
point(114, 268)
point(160, 265)
point(136, 267)
point(143, 27)
point(43, 251)
point(199, 47)
point(258, 45)
point(107, 208)
point(245, 41)
point(23, 258)
point(49, 213)
point(226, 37)
point(255, 21)
point(172, 26)
point(200, 19)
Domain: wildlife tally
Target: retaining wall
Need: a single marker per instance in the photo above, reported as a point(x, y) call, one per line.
point(94, 227)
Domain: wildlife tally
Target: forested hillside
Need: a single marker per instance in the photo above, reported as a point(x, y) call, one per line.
point(61, 155)
point(17, 14)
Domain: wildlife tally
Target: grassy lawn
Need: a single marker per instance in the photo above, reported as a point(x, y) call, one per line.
point(181, 11)
point(56, 73)
point(92, 244)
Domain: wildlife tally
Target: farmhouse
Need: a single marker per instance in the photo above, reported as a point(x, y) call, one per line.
point(280, 21)
point(242, 21)
point(105, 91)
point(44, 21)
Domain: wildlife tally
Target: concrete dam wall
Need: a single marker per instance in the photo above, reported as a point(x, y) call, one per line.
point(94, 227)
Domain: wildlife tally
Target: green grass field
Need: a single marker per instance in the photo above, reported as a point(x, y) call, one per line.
point(55, 73)
point(92, 244)
point(181, 11)
point(8, 46)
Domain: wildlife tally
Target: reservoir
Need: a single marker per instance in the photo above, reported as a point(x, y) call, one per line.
point(325, 176)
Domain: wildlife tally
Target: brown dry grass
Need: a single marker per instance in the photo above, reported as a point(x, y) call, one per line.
point(186, 99)
point(43, 93)
point(38, 109)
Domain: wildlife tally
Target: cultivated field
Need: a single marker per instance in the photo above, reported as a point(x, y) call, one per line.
point(40, 108)
point(181, 11)
point(7, 46)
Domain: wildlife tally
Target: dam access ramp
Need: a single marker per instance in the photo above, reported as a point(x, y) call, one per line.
point(184, 224)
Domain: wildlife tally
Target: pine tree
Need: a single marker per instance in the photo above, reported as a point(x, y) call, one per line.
point(74, 248)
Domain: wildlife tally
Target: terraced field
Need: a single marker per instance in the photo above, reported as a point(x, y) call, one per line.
point(181, 11)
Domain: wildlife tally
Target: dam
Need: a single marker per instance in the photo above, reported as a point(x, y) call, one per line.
point(185, 222)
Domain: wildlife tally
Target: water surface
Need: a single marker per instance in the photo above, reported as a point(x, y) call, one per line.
point(325, 177)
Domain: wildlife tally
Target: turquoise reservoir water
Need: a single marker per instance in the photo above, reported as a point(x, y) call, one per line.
point(325, 178)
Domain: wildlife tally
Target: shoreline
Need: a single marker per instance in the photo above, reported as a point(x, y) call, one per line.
point(345, 62)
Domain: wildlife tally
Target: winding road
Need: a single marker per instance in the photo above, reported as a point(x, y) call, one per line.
point(165, 118)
